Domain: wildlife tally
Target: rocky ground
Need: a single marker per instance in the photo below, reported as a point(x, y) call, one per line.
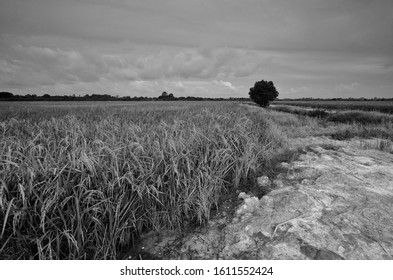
point(334, 202)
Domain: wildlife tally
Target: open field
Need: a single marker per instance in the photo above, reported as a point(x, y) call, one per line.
point(85, 180)
point(380, 106)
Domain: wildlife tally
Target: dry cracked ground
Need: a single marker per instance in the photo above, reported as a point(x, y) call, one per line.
point(334, 202)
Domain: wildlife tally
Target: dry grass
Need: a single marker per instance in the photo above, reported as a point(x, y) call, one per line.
point(339, 125)
point(364, 105)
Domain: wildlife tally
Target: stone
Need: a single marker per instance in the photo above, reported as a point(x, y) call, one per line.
point(263, 182)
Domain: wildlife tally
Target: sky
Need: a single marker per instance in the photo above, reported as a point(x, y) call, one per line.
point(207, 48)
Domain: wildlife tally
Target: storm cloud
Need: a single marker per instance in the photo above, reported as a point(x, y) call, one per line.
point(197, 47)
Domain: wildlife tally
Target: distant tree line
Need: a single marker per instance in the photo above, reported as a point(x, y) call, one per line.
point(7, 96)
point(336, 99)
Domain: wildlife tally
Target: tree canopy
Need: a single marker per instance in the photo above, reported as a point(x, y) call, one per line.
point(263, 92)
point(166, 96)
point(6, 95)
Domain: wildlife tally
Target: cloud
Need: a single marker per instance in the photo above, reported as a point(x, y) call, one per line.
point(226, 68)
point(55, 65)
point(347, 88)
point(302, 89)
point(112, 45)
point(201, 63)
point(43, 65)
point(225, 84)
point(299, 25)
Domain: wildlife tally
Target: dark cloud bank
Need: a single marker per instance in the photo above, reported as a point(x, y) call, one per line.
point(207, 48)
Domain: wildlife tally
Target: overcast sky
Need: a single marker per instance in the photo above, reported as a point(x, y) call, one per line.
point(218, 48)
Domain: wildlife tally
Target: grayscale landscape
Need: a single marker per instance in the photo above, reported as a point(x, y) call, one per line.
point(196, 130)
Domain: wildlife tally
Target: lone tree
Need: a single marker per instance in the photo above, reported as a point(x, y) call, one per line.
point(263, 92)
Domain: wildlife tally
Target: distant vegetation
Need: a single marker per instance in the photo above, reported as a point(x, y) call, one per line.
point(7, 96)
point(167, 96)
point(378, 104)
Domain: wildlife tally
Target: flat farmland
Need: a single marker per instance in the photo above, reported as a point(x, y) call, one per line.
point(380, 106)
point(84, 180)
point(101, 180)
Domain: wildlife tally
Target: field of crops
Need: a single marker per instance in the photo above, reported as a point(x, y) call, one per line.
point(83, 180)
point(380, 106)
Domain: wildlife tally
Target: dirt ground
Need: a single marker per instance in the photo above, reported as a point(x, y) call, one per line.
point(333, 202)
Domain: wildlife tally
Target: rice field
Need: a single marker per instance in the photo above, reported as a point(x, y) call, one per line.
point(84, 180)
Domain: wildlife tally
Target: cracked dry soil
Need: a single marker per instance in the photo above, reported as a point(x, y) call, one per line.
point(329, 204)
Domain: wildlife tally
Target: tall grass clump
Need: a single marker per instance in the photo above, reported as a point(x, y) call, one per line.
point(84, 183)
